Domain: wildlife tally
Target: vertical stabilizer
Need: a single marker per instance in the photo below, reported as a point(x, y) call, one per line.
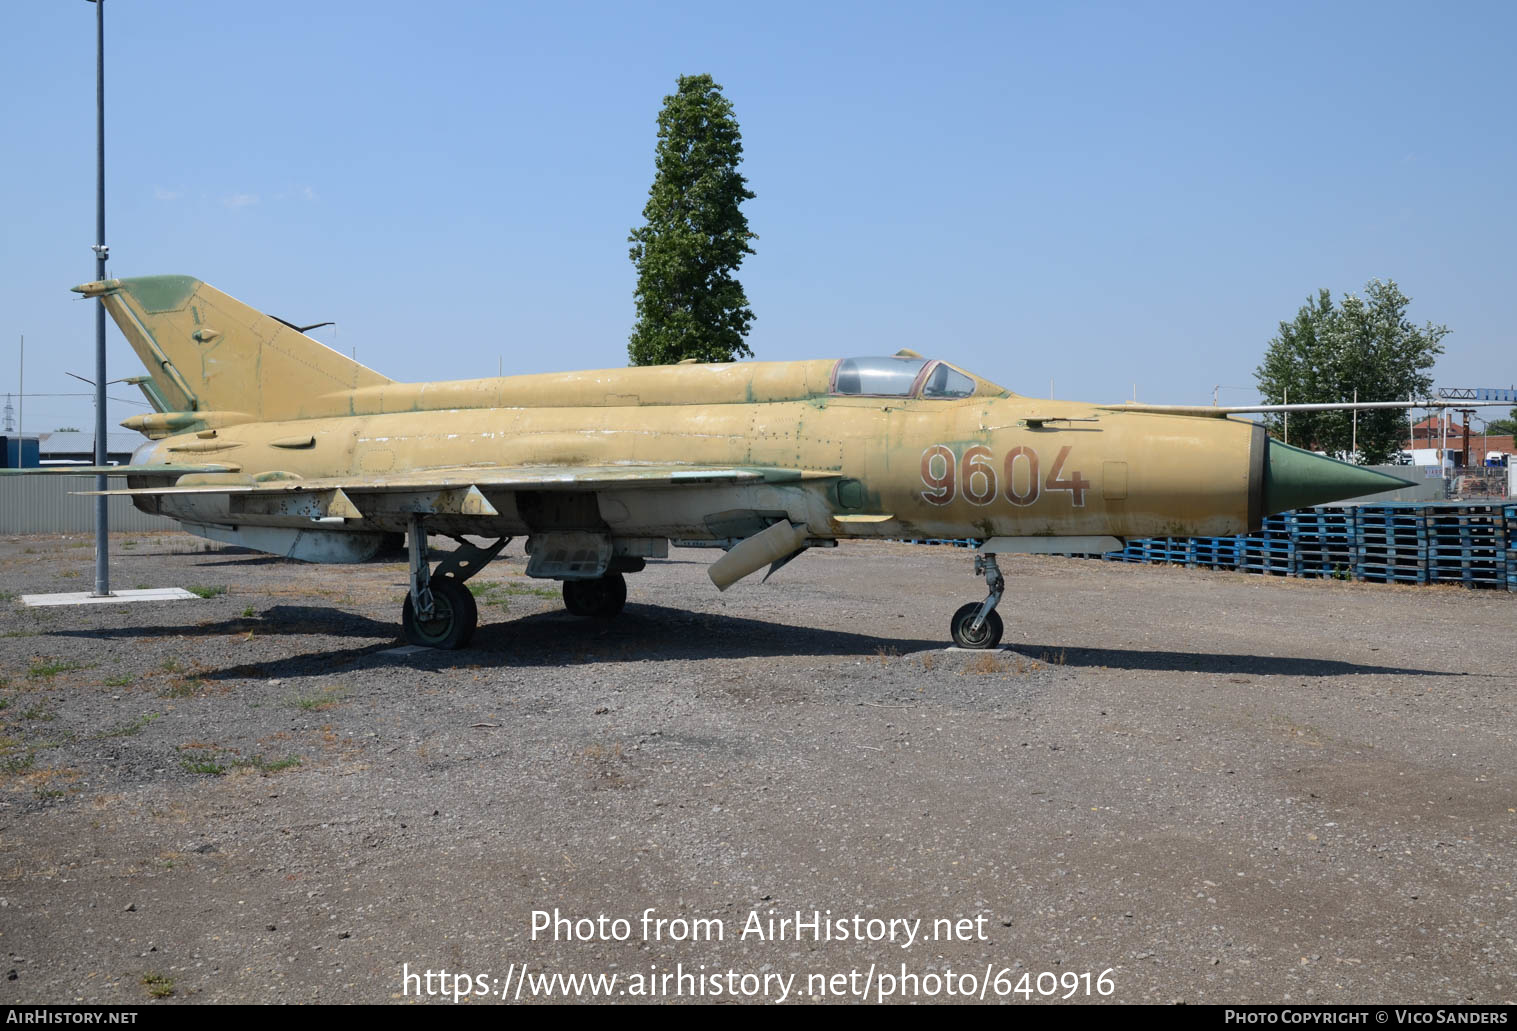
point(206, 351)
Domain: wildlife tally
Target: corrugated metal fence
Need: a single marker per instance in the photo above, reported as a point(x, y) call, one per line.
point(46, 504)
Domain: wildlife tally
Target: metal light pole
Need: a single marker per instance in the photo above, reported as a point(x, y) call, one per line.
point(102, 527)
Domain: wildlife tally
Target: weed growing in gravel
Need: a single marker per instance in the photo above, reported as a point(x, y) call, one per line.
point(128, 729)
point(211, 764)
point(326, 698)
point(247, 613)
point(18, 763)
point(7, 595)
point(182, 688)
point(126, 681)
point(158, 986)
point(991, 663)
point(68, 574)
point(206, 592)
point(530, 589)
point(48, 670)
point(209, 767)
point(4, 702)
point(37, 712)
point(987, 663)
point(19, 633)
point(170, 666)
point(499, 594)
point(929, 660)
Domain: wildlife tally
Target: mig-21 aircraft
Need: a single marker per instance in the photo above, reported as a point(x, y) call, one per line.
point(266, 438)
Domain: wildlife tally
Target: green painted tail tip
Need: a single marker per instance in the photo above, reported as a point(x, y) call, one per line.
point(1294, 478)
point(160, 293)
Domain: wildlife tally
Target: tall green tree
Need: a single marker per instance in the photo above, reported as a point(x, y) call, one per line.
point(689, 302)
point(1328, 351)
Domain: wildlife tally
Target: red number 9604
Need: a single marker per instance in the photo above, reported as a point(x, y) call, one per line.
point(976, 476)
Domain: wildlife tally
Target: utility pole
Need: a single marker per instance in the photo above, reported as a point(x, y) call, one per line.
point(102, 527)
point(1354, 447)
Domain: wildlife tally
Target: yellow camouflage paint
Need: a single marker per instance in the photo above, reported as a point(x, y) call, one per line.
point(285, 412)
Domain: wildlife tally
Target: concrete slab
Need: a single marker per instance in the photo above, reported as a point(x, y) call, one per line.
point(115, 597)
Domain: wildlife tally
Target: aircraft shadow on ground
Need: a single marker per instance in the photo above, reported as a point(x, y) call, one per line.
point(556, 638)
point(543, 639)
point(1209, 662)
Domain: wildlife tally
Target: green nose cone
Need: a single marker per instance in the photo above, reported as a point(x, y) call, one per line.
point(1299, 479)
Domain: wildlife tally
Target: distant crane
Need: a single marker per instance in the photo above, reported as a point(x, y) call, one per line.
point(1480, 395)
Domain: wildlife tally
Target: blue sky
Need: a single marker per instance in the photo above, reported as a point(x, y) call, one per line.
point(1101, 195)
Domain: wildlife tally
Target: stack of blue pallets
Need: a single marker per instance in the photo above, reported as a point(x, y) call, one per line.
point(1509, 517)
point(1466, 544)
point(1216, 552)
point(1171, 550)
point(1390, 543)
point(1270, 549)
point(1472, 544)
point(1324, 541)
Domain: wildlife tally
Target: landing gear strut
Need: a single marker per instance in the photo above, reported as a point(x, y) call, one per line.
point(977, 625)
point(600, 598)
point(439, 611)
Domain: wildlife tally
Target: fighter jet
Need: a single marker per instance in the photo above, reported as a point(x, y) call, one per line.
point(266, 438)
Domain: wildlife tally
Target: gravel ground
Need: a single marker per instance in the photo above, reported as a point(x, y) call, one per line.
point(1211, 786)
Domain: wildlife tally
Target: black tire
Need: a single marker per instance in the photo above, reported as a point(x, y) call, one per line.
point(989, 634)
point(454, 617)
point(598, 599)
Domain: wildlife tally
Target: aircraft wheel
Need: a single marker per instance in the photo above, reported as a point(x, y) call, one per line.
point(600, 599)
point(989, 634)
point(454, 617)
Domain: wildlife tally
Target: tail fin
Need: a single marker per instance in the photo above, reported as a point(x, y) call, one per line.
point(208, 352)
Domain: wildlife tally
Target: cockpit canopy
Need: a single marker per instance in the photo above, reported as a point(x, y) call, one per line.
point(900, 376)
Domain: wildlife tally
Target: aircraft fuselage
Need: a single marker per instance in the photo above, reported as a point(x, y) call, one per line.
point(988, 465)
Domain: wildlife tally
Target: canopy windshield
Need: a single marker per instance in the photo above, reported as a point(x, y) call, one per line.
point(899, 376)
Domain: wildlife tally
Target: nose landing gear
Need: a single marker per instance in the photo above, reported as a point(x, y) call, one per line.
point(977, 625)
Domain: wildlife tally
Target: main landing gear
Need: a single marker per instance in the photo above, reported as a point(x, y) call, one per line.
point(439, 611)
point(977, 624)
point(600, 598)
